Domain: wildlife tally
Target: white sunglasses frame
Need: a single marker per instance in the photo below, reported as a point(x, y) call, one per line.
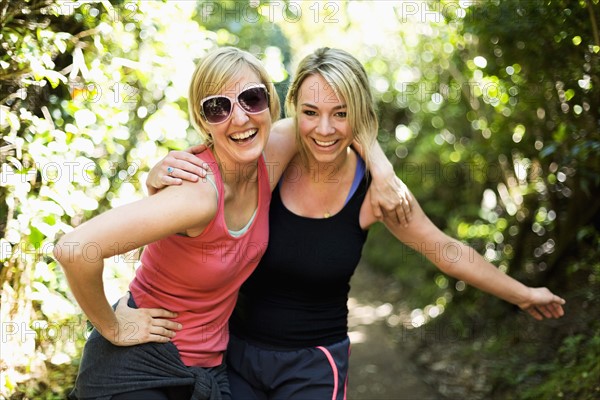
point(235, 101)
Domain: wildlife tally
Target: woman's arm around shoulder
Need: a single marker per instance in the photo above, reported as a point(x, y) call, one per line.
point(180, 166)
point(281, 148)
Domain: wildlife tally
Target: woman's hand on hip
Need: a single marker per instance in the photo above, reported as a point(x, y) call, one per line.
point(141, 325)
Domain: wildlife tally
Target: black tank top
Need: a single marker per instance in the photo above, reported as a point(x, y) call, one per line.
point(297, 296)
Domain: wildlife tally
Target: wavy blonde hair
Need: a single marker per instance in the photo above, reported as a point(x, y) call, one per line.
point(216, 70)
point(348, 78)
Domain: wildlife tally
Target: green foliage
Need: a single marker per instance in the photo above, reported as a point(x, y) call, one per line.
point(491, 118)
point(523, 358)
point(91, 95)
point(573, 375)
point(488, 110)
point(566, 369)
point(491, 113)
point(241, 24)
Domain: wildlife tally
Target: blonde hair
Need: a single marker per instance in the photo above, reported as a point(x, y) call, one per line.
point(346, 75)
point(216, 70)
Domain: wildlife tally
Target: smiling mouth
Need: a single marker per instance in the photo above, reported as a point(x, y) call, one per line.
point(244, 136)
point(321, 143)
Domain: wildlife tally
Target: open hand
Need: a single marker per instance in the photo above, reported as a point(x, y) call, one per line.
point(141, 325)
point(176, 167)
point(391, 199)
point(543, 304)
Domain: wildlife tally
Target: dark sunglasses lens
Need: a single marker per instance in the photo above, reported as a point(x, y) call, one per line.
point(216, 109)
point(254, 100)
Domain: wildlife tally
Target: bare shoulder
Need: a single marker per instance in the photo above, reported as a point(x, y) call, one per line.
point(196, 202)
point(281, 148)
point(284, 125)
point(281, 139)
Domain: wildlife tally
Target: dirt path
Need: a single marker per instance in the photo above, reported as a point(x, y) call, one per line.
point(379, 369)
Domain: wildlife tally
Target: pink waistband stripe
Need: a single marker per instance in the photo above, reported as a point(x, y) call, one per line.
point(334, 370)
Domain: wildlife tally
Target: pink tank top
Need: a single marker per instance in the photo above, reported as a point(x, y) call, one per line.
point(199, 278)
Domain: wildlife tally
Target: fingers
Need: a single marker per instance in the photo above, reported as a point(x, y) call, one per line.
point(158, 339)
point(391, 201)
point(551, 310)
point(183, 165)
point(161, 330)
point(552, 307)
point(401, 212)
point(174, 174)
point(160, 313)
point(535, 314)
point(406, 203)
point(389, 212)
point(403, 207)
point(174, 168)
point(164, 328)
point(167, 180)
point(545, 311)
point(154, 329)
point(377, 212)
point(166, 324)
point(405, 211)
point(556, 309)
point(160, 319)
point(142, 325)
point(542, 303)
point(400, 215)
point(133, 335)
point(394, 213)
point(408, 200)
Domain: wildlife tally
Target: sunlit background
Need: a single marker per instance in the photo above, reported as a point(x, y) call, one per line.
point(488, 110)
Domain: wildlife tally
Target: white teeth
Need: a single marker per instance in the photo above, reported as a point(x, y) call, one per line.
point(243, 135)
point(324, 144)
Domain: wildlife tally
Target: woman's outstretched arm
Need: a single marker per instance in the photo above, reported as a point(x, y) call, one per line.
point(460, 261)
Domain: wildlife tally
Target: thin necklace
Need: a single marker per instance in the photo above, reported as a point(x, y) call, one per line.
point(327, 213)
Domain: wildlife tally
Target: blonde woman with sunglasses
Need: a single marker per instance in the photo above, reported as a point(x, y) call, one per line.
point(289, 336)
point(202, 240)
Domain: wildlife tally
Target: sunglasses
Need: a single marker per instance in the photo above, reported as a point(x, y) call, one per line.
point(218, 109)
